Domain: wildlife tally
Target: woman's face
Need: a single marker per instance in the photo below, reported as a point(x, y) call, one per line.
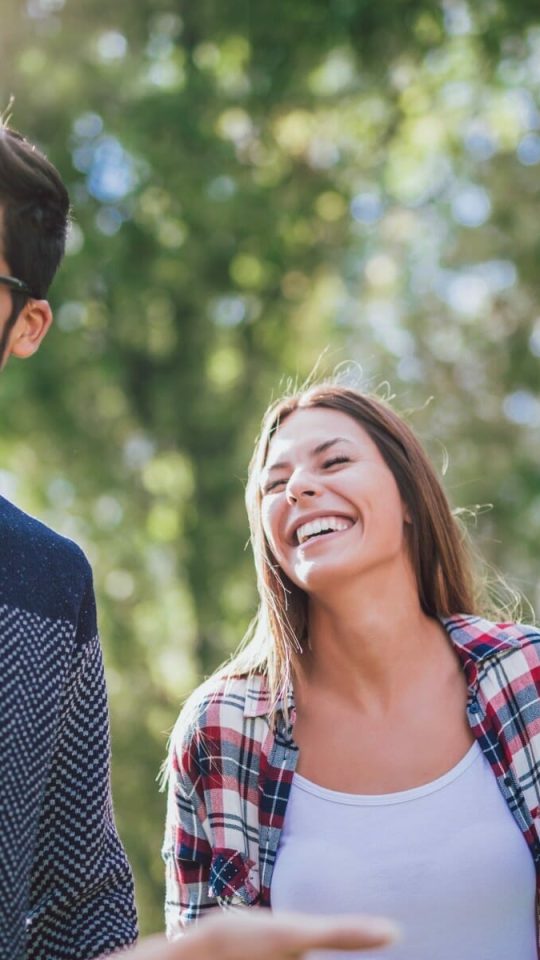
point(331, 508)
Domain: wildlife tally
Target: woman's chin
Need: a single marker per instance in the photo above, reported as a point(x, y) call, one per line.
point(315, 576)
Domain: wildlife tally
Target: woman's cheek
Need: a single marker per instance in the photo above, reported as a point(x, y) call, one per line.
point(272, 521)
point(268, 525)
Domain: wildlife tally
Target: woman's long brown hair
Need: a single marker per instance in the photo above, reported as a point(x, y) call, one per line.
point(437, 542)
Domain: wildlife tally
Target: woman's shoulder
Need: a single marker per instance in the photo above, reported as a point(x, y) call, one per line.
point(223, 702)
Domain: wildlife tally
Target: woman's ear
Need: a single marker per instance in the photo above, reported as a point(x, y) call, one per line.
point(29, 329)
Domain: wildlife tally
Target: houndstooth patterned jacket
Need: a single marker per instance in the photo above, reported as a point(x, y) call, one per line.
point(66, 891)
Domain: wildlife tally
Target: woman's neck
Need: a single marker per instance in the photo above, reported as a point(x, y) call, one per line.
point(367, 640)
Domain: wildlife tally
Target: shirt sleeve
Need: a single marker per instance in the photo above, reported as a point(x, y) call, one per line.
point(81, 898)
point(187, 850)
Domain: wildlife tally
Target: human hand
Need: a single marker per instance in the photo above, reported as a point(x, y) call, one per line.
point(244, 935)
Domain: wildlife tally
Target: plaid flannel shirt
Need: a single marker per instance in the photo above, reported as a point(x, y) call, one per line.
point(230, 772)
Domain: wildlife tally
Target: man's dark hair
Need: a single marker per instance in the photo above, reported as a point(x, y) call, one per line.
point(35, 212)
point(34, 216)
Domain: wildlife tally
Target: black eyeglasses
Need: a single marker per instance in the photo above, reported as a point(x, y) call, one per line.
point(18, 285)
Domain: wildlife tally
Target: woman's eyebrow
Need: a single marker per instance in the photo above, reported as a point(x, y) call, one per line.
point(329, 443)
point(320, 448)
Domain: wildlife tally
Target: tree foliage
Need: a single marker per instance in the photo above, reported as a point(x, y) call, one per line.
point(253, 184)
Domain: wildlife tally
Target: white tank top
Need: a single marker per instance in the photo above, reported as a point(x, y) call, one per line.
point(445, 860)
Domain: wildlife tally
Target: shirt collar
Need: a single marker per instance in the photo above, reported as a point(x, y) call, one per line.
point(258, 702)
point(476, 639)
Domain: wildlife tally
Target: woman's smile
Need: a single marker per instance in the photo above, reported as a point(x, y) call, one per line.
point(311, 528)
point(326, 538)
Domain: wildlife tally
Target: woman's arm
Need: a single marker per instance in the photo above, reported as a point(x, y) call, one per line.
point(186, 851)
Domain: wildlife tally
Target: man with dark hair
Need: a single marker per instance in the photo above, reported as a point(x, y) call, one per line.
point(34, 212)
point(65, 885)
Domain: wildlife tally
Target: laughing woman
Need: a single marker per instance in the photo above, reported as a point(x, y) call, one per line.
point(375, 748)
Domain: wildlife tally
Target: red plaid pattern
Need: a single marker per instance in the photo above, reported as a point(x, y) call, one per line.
point(230, 772)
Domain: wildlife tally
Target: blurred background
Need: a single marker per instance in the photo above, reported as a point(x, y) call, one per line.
point(254, 184)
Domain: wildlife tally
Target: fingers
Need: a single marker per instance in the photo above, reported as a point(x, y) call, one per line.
point(350, 933)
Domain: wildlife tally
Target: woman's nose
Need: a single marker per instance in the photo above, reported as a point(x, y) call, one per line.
point(301, 484)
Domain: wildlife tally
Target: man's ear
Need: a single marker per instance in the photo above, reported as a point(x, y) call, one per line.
point(30, 328)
